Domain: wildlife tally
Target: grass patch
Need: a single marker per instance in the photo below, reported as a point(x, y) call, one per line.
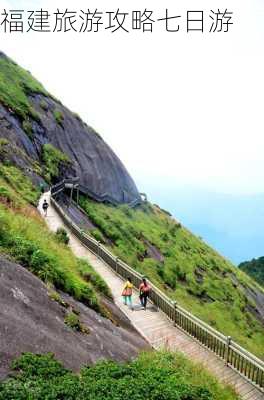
point(53, 295)
point(5, 195)
point(89, 275)
point(27, 127)
point(152, 376)
point(19, 183)
point(73, 321)
point(44, 105)
point(191, 272)
point(54, 159)
point(15, 86)
point(62, 236)
point(97, 235)
point(3, 142)
point(58, 117)
point(25, 237)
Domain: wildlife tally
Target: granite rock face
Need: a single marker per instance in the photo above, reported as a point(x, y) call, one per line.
point(32, 322)
point(93, 161)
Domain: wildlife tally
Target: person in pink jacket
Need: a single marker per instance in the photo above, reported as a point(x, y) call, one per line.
point(144, 292)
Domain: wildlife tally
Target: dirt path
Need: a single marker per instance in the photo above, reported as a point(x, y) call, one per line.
point(153, 324)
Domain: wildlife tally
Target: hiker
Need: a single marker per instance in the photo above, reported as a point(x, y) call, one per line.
point(144, 291)
point(127, 293)
point(45, 207)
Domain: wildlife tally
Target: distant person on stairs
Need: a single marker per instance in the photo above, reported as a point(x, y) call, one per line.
point(45, 207)
point(144, 292)
point(127, 293)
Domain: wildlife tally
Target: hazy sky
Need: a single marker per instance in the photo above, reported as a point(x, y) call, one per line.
point(180, 108)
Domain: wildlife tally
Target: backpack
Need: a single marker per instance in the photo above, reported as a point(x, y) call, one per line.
point(45, 206)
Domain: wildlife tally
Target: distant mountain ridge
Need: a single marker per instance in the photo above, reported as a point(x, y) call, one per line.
point(255, 269)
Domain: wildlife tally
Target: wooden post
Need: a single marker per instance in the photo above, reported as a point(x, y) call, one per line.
point(116, 263)
point(175, 308)
point(228, 343)
point(78, 195)
point(71, 194)
point(98, 247)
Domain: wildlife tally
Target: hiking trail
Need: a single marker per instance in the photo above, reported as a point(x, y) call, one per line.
point(153, 324)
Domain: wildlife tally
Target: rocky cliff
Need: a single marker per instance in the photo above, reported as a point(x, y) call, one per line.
point(30, 118)
point(32, 321)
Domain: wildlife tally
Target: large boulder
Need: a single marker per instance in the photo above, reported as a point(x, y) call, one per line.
point(32, 322)
point(36, 118)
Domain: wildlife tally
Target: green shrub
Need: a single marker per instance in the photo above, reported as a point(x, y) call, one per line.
point(58, 117)
point(3, 142)
point(160, 271)
point(97, 235)
point(53, 295)
point(152, 376)
point(5, 194)
point(164, 236)
point(89, 274)
point(36, 365)
point(72, 320)
point(27, 127)
point(44, 105)
point(35, 115)
point(170, 279)
point(53, 159)
point(62, 236)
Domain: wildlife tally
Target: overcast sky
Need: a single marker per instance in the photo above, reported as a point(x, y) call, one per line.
point(184, 109)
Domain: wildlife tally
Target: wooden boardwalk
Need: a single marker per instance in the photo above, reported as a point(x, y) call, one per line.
point(152, 324)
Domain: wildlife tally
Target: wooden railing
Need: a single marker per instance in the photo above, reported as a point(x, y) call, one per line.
point(235, 356)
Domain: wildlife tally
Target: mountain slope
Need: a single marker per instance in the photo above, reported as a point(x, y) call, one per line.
point(30, 119)
point(231, 223)
point(254, 268)
point(183, 266)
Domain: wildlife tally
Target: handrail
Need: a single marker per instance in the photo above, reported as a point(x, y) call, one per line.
point(105, 197)
point(235, 356)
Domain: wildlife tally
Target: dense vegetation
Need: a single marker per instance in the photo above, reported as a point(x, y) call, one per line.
point(181, 264)
point(53, 159)
point(25, 237)
point(254, 268)
point(16, 187)
point(153, 376)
